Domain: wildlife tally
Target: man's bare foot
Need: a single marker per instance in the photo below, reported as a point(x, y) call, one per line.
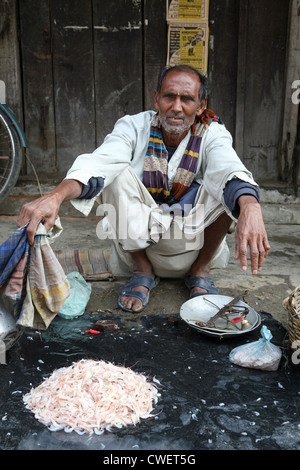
point(141, 267)
point(133, 303)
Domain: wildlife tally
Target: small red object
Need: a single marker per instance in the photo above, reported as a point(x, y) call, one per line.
point(236, 319)
point(93, 332)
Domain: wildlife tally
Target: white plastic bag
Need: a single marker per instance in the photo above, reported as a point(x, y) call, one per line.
point(261, 354)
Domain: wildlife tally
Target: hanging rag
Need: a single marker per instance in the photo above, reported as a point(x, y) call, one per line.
point(32, 278)
point(14, 263)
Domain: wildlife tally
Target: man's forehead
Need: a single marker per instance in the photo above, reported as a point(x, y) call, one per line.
point(181, 79)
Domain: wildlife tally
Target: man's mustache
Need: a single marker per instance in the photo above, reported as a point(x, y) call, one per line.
point(175, 115)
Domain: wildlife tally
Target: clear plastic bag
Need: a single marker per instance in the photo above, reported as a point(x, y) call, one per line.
point(76, 303)
point(261, 354)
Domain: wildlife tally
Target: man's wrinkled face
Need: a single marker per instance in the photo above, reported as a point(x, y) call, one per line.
point(178, 102)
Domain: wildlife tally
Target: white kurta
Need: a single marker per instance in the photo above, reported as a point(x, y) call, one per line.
point(120, 162)
point(127, 145)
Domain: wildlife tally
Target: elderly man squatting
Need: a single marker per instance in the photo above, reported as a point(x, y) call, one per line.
point(178, 168)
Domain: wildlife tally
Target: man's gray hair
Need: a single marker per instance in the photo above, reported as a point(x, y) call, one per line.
point(185, 68)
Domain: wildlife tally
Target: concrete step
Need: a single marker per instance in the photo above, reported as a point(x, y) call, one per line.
point(277, 208)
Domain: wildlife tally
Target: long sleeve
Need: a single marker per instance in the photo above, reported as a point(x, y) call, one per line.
point(125, 146)
point(92, 188)
point(220, 163)
point(233, 190)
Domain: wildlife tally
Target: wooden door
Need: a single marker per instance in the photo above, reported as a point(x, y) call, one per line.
point(247, 60)
point(84, 65)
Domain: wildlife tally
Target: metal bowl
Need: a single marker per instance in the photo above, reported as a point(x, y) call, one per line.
point(202, 308)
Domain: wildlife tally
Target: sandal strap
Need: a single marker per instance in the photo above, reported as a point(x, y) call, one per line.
point(143, 280)
point(132, 293)
point(203, 282)
point(136, 280)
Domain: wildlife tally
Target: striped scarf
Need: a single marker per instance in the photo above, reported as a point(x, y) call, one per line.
point(156, 161)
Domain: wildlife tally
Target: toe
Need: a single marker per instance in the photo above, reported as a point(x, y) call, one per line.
point(198, 289)
point(125, 301)
point(132, 303)
point(137, 305)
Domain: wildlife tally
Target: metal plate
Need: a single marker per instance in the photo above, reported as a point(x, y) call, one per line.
point(202, 308)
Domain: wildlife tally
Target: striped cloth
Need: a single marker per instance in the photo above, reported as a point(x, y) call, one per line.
point(14, 264)
point(49, 286)
point(155, 176)
point(32, 279)
point(93, 265)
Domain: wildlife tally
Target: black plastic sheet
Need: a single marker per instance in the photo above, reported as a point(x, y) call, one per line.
point(206, 402)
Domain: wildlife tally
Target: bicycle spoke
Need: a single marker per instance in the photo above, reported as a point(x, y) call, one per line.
point(10, 155)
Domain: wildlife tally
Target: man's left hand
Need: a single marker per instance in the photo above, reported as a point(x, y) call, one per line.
point(250, 231)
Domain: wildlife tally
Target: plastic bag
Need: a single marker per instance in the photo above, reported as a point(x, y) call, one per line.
point(261, 354)
point(75, 304)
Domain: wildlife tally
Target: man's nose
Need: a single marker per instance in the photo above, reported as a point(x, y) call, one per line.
point(177, 104)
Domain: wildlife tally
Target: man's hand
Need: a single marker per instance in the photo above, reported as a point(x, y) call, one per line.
point(45, 208)
point(250, 231)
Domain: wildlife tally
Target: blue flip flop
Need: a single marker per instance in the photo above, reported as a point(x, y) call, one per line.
point(136, 280)
point(203, 282)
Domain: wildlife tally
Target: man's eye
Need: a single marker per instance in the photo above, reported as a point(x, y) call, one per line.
point(185, 98)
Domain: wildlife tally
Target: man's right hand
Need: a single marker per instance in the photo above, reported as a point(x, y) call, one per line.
point(45, 209)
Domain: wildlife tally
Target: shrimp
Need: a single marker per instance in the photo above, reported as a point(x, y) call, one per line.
point(91, 397)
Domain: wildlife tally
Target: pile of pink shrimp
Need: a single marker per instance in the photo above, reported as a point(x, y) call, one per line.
point(91, 397)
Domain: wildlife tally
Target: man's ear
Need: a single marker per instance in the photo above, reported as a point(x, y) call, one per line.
point(155, 99)
point(202, 107)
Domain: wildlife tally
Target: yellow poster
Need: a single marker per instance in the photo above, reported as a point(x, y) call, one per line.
point(194, 10)
point(189, 9)
point(192, 48)
point(188, 44)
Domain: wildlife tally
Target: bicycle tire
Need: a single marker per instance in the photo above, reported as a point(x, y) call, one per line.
point(10, 155)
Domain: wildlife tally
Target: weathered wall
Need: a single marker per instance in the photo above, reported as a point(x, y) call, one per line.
point(82, 69)
point(84, 63)
point(10, 72)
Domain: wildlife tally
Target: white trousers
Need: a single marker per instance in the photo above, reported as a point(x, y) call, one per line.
point(134, 222)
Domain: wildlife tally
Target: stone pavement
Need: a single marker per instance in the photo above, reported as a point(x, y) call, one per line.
point(266, 291)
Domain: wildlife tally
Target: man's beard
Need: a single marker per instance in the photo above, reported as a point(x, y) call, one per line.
point(174, 129)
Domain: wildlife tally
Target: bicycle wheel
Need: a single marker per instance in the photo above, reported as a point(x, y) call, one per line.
point(10, 156)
